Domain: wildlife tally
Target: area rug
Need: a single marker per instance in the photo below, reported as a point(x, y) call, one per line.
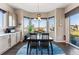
point(56, 51)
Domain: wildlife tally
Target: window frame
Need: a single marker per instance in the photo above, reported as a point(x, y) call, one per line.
point(3, 12)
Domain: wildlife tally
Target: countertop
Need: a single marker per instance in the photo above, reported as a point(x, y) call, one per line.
point(3, 34)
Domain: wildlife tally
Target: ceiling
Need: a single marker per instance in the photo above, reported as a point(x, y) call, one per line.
point(38, 7)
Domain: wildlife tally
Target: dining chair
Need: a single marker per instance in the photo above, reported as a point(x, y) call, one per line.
point(44, 43)
point(33, 42)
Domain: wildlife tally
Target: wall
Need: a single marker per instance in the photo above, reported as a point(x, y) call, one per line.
point(51, 13)
point(67, 29)
point(19, 14)
point(6, 7)
point(60, 25)
point(34, 14)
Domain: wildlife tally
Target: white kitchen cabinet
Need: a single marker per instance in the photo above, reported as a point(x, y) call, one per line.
point(8, 40)
point(13, 39)
point(4, 43)
point(18, 37)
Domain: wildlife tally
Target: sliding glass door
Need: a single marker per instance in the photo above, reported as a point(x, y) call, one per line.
point(74, 29)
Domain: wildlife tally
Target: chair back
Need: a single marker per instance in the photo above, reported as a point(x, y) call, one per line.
point(33, 36)
point(45, 36)
point(45, 42)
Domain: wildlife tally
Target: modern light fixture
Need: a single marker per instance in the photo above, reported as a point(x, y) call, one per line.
point(38, 16)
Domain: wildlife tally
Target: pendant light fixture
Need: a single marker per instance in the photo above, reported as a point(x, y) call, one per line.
point(38, 16)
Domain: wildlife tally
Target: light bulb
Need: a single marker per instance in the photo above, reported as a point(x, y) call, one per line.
point(34, 18)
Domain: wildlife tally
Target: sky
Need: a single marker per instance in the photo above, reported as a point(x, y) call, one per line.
point(74, 19)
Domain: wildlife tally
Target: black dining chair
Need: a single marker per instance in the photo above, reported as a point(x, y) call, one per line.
point(33, 42)
point(44, 43)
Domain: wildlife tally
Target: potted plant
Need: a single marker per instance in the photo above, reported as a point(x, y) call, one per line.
point(31, 28)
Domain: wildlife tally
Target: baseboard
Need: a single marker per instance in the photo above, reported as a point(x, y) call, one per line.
point(74, 45)
point(60, 41)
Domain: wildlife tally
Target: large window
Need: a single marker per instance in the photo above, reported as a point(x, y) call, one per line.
point(35, 23)
point(51, 26)
point(39, 25)
point(26, 23)
point(2, 14)
point(1, 19)
point(43, 25)
point(51, 22)
point(74, 29)
point(12, 20)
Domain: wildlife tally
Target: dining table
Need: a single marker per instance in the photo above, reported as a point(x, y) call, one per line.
point(39, 39)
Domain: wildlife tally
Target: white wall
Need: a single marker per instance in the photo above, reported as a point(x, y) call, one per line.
point(51, 13)
point(6, 7)
point(60, 24)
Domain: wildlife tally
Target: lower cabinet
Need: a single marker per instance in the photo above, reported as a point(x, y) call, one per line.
point(18, 37)
point(13, 39)
point(8, 41)
point(4, 43)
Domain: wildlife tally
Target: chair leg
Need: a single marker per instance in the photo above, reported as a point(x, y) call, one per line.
point(27, 50)
point(36, 51)
point(27, 47)
point(30, 51)
point(48, 51)
point(41, 52)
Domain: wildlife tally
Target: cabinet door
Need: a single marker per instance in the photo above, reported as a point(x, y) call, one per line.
point(13, 39)
point(4, 43)
point(18, 37)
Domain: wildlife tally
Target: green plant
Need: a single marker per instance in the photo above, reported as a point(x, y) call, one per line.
point(31, 28)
